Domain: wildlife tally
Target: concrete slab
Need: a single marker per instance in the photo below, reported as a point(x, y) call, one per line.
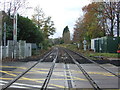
point(9, 72)
point(101, 77)
point(79, 79)
point(112, 68)
point(58, 79)
point(36, 76)
point(34, 79)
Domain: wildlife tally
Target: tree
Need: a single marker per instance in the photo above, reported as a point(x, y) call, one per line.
point(88, 26)
point(19, 5)
point(38, 17)
point(118, 18)
point(44, 23)
point(9, 27)
point(79, 31)
point(48, 27)
point(28, 31)
point(109, 17)
point(91, 22)
point(66, 35)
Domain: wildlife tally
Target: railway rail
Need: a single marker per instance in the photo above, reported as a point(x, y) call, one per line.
point(62, 64)
point(92, 82)
point(48, 76)
point(91, 61)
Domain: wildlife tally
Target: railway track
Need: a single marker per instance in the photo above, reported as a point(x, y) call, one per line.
point(62, 65)
point(47, 78)
point(89, 60)
point(92, 82)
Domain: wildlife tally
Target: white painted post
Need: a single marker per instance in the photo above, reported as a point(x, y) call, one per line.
point(4, 47)
point(84, 44)
point(15, 31)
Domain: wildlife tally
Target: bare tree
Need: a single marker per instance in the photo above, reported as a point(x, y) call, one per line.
point(38, 17)
point(10, 5)
point(44, 23)
point(109, 16)
point(118, 18)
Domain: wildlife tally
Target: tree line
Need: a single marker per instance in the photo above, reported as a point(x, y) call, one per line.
point(100, 19)
point(36, 30)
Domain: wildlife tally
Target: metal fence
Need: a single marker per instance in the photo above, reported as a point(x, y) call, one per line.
point(23, 50)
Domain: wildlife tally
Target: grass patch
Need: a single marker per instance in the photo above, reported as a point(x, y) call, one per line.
point(109, 55)
point(89, 53)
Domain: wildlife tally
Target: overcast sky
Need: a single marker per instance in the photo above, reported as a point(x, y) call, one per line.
point(63, 12)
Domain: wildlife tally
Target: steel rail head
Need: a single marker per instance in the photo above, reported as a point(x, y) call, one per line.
point(92, 82)
point(45, 84)
point(19, 76)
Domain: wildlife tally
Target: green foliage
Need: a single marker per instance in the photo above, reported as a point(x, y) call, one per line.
point(28, 31)
point(48, 27)
point(45, 44)
point(9, 27)
point(61, 41)
point(66, 29)
point(112, 55)
point(90, 53)
point(43, 23)
point(89, 27)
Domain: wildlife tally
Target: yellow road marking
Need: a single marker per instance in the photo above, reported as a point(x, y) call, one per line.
point(35, 70)
point(31, 79)
point(13, 67)
point(75, 78)
point(36, 79)
point(8, 73)
point(99, 73)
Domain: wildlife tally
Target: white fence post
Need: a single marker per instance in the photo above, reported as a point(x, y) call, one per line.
point(28, 49)
point(10, 48)
point(23, 50)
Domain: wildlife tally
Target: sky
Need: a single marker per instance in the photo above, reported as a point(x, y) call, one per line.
point(63, 12)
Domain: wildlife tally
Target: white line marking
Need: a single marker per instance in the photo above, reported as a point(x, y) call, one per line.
point(21, 85)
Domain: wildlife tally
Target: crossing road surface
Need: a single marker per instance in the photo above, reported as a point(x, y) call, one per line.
point(63, 75)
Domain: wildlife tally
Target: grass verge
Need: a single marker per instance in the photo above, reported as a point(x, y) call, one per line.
point(88, 53)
